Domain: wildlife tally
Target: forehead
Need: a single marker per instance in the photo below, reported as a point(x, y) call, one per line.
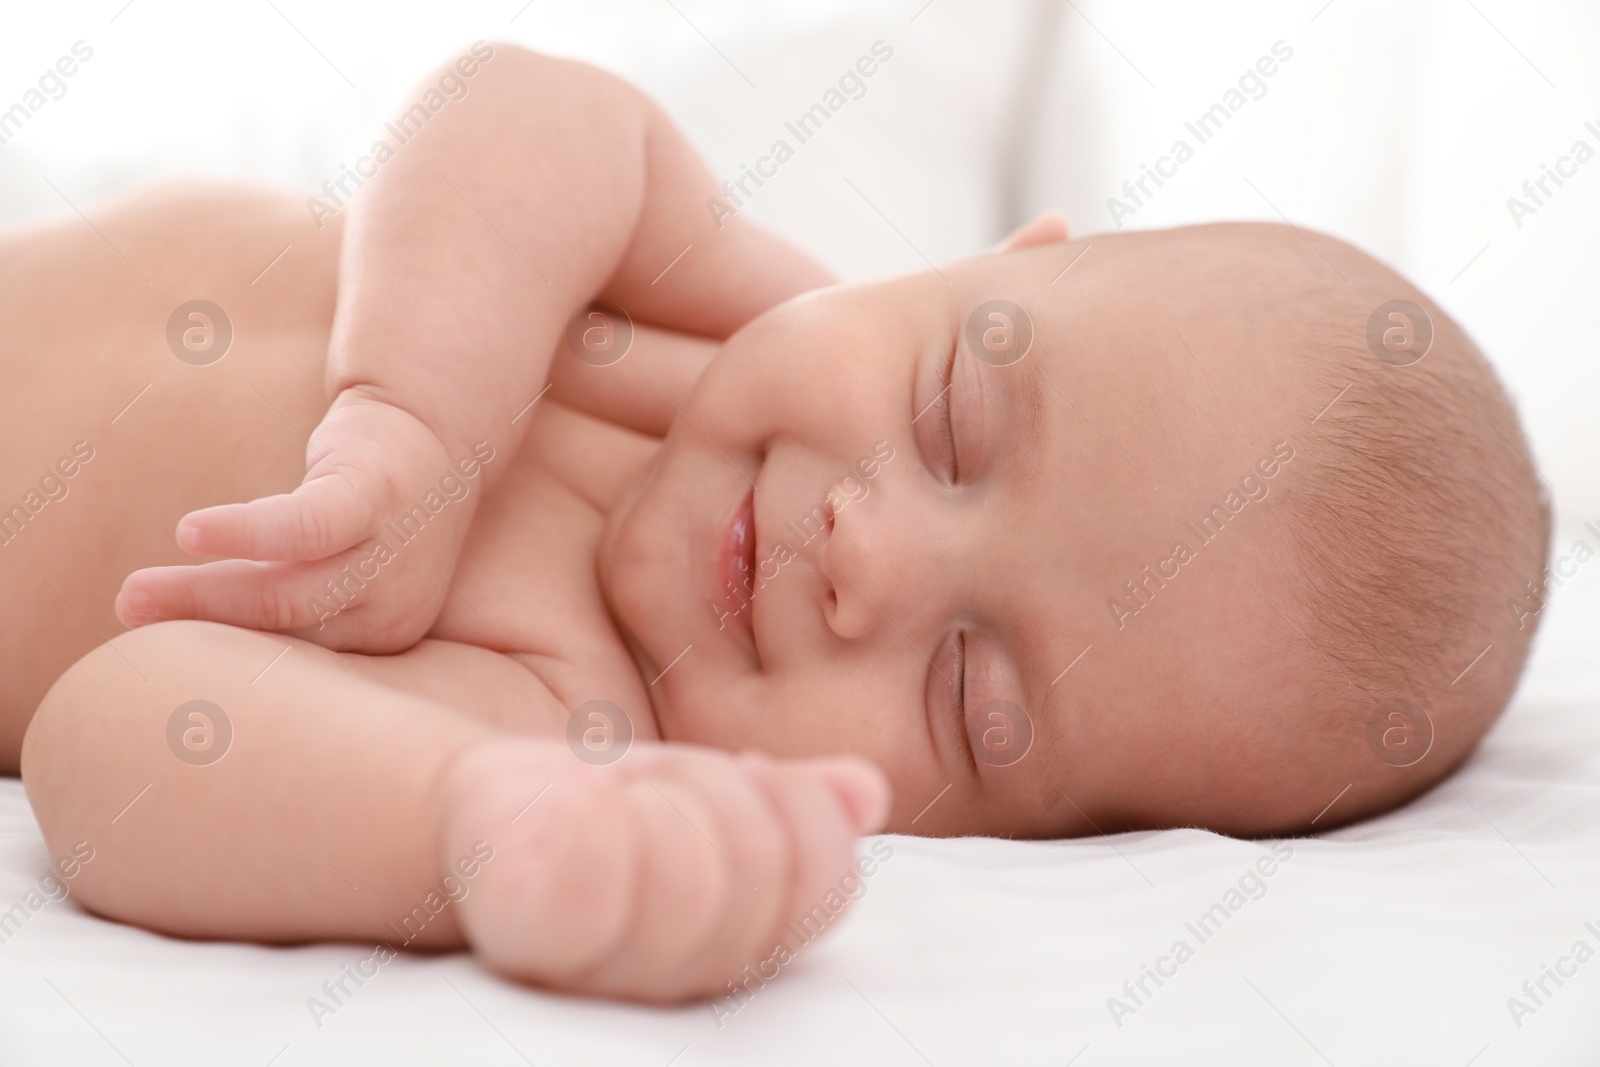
point(1113, 435)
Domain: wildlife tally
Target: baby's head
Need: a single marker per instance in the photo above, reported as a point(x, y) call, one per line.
point(1191, 527)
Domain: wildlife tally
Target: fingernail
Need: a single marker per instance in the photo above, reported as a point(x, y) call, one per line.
point(140, 604)
point(189, 539)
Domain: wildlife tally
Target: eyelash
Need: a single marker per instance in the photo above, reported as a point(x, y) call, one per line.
point(960, 683)
point(946, 698)
point(946, 384)
point(958, 687)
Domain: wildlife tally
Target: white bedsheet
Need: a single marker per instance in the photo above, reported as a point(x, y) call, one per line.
point(1398, 941)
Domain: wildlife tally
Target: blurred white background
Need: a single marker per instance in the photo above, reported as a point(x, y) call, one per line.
point(1403, 128)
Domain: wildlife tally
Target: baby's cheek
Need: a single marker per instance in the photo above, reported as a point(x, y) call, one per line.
point(860, 719)
point(821, 711)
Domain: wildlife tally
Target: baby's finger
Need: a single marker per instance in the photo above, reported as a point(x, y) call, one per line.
point(323, 516)
point(683, 893)
point(562, 899)
point(859, 784)
point(823, 821)
point(259, 596)
point(712, 829)
point(756, 852)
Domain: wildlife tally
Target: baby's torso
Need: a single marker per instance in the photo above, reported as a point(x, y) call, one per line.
point(526, 584)
point(170, 435)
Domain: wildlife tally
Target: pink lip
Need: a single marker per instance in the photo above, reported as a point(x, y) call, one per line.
point(736, 563)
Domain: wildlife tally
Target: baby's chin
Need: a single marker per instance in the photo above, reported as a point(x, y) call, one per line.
point(624, 555)
point(640, 564)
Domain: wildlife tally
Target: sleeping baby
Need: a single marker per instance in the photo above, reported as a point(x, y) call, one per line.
point(638, 568)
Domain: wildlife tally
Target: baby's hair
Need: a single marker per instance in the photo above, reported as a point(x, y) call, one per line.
point(1417, 518)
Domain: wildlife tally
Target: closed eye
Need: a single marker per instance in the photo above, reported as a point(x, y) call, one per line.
point(937, 434)
point(947, 697)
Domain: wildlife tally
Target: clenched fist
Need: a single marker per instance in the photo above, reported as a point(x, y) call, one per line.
point(657, 878)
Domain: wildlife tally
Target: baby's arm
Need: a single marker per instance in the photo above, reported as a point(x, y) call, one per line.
point(550, 184)
point(374, 799)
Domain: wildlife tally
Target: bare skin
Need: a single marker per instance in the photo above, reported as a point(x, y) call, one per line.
point(655, 878)
point(415, 714)
point(228, 431)
point(85, 336)
point(585, 549)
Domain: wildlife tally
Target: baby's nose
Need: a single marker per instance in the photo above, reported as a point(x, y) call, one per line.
point(850, 612)
point(869, 569)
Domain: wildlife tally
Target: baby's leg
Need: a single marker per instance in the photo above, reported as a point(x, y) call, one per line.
point(326, 795)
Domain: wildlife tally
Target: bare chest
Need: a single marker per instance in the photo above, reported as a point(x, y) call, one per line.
point(526, 584)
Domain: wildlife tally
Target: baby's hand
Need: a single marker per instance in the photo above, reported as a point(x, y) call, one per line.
point(657, 878)
point(354, 559)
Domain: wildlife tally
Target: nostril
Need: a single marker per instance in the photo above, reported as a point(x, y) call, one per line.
point(833, 599)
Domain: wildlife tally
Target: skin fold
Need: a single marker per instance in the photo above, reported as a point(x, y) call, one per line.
point(678, 864)
point(921, 641)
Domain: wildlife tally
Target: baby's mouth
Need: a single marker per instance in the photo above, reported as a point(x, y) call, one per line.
point(736, 564)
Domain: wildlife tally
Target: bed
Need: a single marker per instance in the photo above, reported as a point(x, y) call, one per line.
point(1405, 939)
point(1463, 929)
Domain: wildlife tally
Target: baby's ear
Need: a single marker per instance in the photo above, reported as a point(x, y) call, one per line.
point(1047, 228)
